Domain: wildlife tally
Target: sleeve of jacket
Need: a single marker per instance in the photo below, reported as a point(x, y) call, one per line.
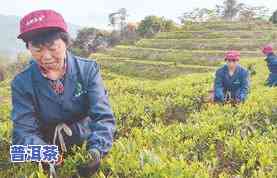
point(218, 86)
point(25, 124)
point(244, 86)
point(102, 118)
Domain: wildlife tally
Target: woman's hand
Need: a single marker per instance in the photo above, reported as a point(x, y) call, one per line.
point(91, 167)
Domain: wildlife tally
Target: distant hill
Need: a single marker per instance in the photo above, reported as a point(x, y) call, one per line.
point(9, 44)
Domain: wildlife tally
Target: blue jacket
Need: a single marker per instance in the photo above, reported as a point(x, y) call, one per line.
point(237, 85)
point(272, 66)
point(37, 109)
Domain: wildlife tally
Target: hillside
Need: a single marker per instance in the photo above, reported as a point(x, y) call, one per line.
point(196, 44)
point(165, 128)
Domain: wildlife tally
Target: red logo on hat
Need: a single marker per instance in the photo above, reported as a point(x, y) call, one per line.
point(34, 20)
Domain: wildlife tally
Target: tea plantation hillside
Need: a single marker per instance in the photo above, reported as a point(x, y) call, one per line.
point(165, 128)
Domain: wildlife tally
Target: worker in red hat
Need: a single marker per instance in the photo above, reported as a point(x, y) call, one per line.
point(59, 98)
point(231, 81)
point(271, 60)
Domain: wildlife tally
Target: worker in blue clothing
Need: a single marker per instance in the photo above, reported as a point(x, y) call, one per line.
point(231, 81)
point(59, 98)
point(271, 60)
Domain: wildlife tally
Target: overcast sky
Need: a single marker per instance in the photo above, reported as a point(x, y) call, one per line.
point(95, 13)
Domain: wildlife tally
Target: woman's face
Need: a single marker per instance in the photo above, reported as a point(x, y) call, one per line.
point(50, 56)
point(232, 64)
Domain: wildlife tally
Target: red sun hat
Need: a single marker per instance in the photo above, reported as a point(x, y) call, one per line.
point(267, 49)
point(232, 56)
point(40, 20)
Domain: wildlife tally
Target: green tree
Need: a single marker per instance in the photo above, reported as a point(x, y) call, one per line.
point(231, 9)
point(151, 25)
point(89, 40)
point(273, 18)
